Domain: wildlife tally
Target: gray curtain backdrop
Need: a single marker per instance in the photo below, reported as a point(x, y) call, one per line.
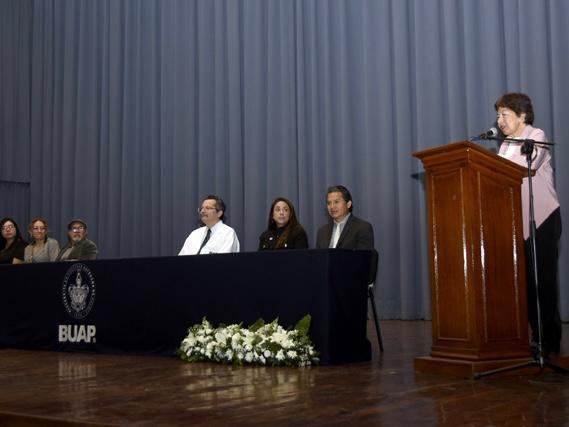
point(127, 112)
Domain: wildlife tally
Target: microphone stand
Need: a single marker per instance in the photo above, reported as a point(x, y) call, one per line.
point(540, 358)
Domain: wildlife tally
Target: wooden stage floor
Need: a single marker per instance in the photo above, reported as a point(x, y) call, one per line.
point(40, 388)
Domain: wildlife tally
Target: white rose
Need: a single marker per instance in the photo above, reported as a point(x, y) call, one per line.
point(221, 336)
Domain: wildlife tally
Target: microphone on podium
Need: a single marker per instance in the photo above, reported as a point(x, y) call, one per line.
point(489, 134)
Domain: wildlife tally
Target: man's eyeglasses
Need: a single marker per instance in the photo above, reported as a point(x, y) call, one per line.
point(80, 228)
point(206, 208)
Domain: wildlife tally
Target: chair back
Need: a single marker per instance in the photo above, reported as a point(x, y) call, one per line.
point(374, 261)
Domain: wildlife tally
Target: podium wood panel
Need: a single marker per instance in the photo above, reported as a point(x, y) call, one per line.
point(477, 267)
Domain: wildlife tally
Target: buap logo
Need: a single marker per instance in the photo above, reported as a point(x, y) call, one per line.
point(78, 291)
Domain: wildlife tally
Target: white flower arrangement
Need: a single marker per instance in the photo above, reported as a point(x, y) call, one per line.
point(260, 344)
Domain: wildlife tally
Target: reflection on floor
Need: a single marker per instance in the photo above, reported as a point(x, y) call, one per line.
point(68, 389)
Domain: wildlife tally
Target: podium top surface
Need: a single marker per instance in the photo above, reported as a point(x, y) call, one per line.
point(467, 151)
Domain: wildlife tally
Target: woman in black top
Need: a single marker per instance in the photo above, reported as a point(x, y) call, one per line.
point(12, 245)
point(284, 231)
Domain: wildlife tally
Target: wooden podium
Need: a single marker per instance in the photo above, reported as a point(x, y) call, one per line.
point(477, 266)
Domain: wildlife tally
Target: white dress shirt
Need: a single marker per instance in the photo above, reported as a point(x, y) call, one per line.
point(223, 239)
point(337, 231)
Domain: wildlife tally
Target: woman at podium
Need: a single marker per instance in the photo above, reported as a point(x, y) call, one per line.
point(515, 119)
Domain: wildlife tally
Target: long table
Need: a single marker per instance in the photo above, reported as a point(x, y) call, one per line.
point(145, 305)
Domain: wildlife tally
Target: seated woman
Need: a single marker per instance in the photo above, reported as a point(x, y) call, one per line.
point(42, 248)
point(284, 231)
point(11, 244)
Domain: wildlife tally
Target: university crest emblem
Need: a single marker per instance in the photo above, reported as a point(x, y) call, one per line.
point(78, 291)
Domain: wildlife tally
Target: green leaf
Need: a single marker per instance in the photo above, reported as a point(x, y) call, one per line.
point(257, 325)
point(303, 324)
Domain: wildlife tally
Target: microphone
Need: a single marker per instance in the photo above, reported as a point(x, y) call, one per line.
point(489, 134)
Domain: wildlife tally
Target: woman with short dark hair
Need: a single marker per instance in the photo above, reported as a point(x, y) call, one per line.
point(515, 120)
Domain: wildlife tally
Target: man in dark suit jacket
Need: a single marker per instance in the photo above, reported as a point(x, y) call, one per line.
point(78, 247)
point(345, 231)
